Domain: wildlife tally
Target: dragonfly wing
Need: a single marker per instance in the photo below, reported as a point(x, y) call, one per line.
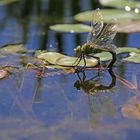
point(107, 34)
point(96, 25)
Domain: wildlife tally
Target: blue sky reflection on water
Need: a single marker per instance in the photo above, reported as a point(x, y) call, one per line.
point(63, 110)
point(52, 107)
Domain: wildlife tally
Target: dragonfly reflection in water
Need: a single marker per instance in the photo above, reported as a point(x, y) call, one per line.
point(94, 85)
point(99, 40)
point(99, 103)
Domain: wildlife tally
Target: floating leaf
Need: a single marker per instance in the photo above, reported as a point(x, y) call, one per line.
point(64, 60)
point(72, 28)
point(39, 52)
point(61, 61)
point(109, 14)
point(121, 4)
point(12, 49)
point(57, 67)
point(130, 27)
point(50, 57)
point(127, 50)
point(105, 56)
point(72, 61)
point(134, 57)
point(4, 2)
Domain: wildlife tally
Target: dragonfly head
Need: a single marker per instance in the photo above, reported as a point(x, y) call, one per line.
point(77, 49)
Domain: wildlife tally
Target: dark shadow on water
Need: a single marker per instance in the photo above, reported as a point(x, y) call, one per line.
point(94, 84)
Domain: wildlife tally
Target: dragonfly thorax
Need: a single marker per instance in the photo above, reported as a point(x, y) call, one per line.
point(85, 49)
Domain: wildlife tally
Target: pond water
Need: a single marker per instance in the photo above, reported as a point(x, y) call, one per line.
point(61, 106)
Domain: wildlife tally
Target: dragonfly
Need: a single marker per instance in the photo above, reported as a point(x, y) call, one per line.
point(99, 40)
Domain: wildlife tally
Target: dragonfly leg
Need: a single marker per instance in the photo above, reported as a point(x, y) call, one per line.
point(99, 62)
point(41, 72)
point(83, 76)
point(114, 58)
point(79, 58)
point(84, 58)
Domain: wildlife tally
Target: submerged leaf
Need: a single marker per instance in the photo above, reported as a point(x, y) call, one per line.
point(132, 108)
point(131, 111)
point(3, 73)
point(72, 28)
point(12, 49)
point(2, 56)
point(121, 3)
point(109, 14)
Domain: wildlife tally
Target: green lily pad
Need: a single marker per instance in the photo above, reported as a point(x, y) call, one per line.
point(134, 57)
point(4, 2)
point(12, 49)
point(38, 53)
point(105, 56)
point(61, 61)
point(72, 28)
point(57, 67)
point(50, 57)
point(120, 3)
point(64, 60)
point(72, 61)
point(127, 50)
point(109, 14)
